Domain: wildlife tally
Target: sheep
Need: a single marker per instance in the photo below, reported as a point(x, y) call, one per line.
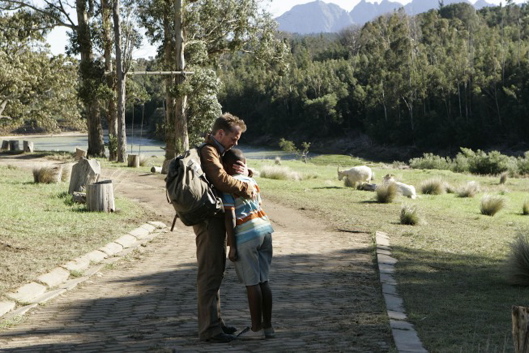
point(359, 174)
point(404, 189)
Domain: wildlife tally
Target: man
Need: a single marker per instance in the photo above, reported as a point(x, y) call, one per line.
point(211, 234)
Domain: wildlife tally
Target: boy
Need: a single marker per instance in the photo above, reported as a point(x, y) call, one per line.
point(250, 239)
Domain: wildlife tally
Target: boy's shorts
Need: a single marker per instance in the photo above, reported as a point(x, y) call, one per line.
point(254, 259)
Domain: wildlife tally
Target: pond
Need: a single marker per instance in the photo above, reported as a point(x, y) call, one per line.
point(135, 145)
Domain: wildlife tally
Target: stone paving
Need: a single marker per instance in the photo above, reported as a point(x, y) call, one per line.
point(141, 296)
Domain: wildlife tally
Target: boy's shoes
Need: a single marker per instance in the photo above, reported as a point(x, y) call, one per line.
point(230, 330)
point(248, 334)
point(269, 332)
point(221, 338)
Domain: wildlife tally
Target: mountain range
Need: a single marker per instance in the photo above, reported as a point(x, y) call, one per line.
point(321, 17)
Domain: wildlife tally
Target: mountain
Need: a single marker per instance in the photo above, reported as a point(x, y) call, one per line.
point(321, 17)
point(314, 17)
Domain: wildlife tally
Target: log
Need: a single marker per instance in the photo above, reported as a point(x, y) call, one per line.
point(5, 145)
point(100, 197)
point(155, 169)
point(133, 160)
point(14, 145)
point(79, 154)
point(28, 146)
point(520, 329)
point(84, 172)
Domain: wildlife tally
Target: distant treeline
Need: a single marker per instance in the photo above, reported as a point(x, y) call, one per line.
point(449, 78)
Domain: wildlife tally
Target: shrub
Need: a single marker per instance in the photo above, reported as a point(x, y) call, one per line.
point(492, 204)
point(523, 163)
point(470, 189)
point(386, 193)
point(491, 163)
point(503, 177)
point(435, 186)
point(525, 208)
point(517, 264)
point(430, 161)
point(279, 173)
point(409, 215)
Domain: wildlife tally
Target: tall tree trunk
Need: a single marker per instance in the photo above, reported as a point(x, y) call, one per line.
point(112, 121)
point(121, 80)
point(181, 133)
point(96, 145)
point(170, 103)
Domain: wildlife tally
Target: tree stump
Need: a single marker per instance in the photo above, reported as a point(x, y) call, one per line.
point(100, 197)
point(155, 169)
point(79, 154)
point(14, 145)
point(5, 145)
point(133, 160)
point(520, 329)
point(28, 146)
point(165, 166)
point(84, 172)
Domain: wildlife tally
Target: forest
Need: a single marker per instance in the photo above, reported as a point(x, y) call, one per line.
point(443, 80)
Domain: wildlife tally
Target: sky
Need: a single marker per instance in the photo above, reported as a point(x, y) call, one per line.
point(57, 38)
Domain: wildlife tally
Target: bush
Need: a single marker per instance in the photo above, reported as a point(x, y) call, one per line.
point(525, 208)
point(435, 186)
point(517, 265)
point(430, 161)
point(491, 204)
point(47, 175)
point(409, 215)
point(491, 163)
point(386, 193)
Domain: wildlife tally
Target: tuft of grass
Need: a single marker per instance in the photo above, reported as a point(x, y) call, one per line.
point(470, 189)
point(386, 193)
point(517, 264)
point(434, 186)
point(409, 215)
point(525, 208)
point(47, 175)
point(279, 173)
point(503, 177)
point(492, 204)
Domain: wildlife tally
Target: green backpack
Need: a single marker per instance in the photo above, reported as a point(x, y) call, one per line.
point(189, 191)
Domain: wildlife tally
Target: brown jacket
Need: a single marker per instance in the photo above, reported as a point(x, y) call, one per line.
point(212, 166)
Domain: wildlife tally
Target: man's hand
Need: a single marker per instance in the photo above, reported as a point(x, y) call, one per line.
point(232, 255)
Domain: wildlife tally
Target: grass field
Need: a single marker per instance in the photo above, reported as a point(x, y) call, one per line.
point(41, 228)
point(450, 267)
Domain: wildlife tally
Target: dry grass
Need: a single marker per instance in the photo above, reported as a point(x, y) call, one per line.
point(517, 265)
point(469, 189)
point(492, 204)
point(47, 174)
point(409, 215)
point(434, 186)
point(278, 172)
point(386, 193)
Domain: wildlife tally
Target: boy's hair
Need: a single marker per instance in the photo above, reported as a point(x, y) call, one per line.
point(227, 122)
point(232, 156)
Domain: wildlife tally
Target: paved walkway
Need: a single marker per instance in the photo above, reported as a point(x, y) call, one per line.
point(327, 297)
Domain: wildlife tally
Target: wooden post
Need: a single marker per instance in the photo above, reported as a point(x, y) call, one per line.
point(5, 145)
point(84, 172)
point(100, 197)
point(14, 145)
point(133, 160)
point(520, 329)
point(28, 146)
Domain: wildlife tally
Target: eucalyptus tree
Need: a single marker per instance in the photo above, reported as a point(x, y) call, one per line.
point(194, 35)
point(35, 88)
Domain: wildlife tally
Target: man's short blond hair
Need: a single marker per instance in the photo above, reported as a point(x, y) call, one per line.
point(228, 122)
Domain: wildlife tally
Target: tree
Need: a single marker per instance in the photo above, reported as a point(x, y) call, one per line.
point(212, 28)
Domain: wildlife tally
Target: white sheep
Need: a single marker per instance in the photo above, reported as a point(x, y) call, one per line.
point(359, 174)
point(404, 189)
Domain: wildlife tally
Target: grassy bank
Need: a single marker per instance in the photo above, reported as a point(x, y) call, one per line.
point(42, 228)
point(450, 267)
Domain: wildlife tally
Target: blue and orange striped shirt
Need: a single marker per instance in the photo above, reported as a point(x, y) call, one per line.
point(251, 219)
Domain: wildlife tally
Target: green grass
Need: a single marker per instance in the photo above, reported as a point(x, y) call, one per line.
point(41, 228)
point(450, 269)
